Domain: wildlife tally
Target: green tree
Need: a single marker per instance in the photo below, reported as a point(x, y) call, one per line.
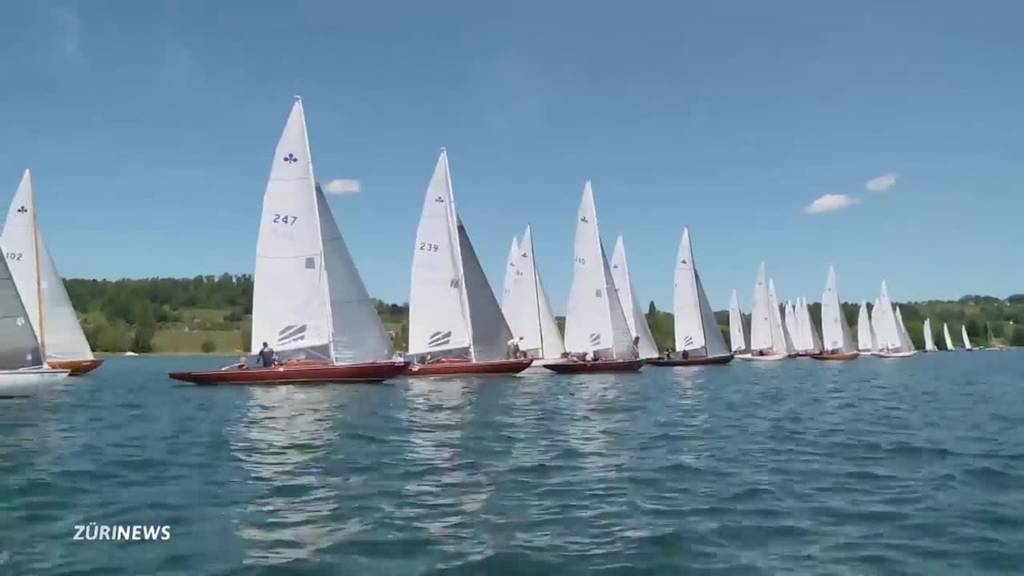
point(145, 329)
point(208, 346)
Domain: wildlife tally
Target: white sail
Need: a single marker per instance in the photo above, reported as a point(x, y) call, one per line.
point(905, 341)
point(791, 327)
point(929, 341)
point(529, 312)
point(63, 334)
point(490, 333)
point(631, 306)
point(781, 341)
point(834, 329)
point(357, 334)
point(695, 326)
point(438, 313)
point(816, 344)
point(737, 340)
point(506, 285)
point(304, 269)
point(761, 331)
point(946, 336)
point(594, 322)
point(874, 326)
point(289, 254)
point(963, 334)
point(865, 335)
point(886, 327)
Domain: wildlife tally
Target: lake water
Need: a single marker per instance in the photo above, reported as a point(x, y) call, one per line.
point(870, 467)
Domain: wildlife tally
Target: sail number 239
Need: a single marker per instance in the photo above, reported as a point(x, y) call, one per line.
point(285, 219)
point(428, 247)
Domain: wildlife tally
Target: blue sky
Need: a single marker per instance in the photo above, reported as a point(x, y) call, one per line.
point(150, 128)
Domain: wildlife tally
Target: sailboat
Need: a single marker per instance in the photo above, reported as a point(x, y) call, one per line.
point(891, 342)
point(929, 341)
point(635, 318)
point(865, 331)
point(947, 337)
point(767, 341)
point(526, 306)
point(837, 340)
point(597, 336)
point(904, 334)
point(809, 340)
point(737, 339)
point(698, 339)
point(30, 263)
point(992, 340)
point(790, 327)
point(308, 298)
point(967, 341)
point(455, 323)
point(777, 326)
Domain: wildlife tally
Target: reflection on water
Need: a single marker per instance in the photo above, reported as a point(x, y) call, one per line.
point(282, 442)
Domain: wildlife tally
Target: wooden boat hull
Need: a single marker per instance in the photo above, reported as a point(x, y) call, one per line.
point(469, 368)
point(701, 361)
point(838, 356)
point(764, 357)
point(299, 373)
point(29, 382)
point(76, 367)
point(596, 366)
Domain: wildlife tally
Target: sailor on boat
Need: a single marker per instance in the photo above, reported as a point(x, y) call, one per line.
point(267, 356)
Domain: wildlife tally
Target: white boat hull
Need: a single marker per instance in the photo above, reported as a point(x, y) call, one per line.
point(764, 357)
point(29, 382)
point(895, 354)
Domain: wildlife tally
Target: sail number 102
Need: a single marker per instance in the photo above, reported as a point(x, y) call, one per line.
point(14, 256)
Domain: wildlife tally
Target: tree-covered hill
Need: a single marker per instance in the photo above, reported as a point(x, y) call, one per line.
point(211, 314)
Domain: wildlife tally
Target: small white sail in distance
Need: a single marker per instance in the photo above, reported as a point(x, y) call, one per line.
point(835, 331)
point(506, 285)
point(737, 339)
point(967, 340)
point(308, 298)
point(762, 335)
point(947, 337)
point(21, 240)
point(781, 340)
point(696, 329)
point(530, 315)
point(865, 334)
point(631, 306)
point(594, 320)
point(886, 327)
point(929, 341)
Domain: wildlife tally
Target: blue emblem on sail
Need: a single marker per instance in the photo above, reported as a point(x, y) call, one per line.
point(22, 210)
point(290, 158)
point(439, 339)
point(291, 334)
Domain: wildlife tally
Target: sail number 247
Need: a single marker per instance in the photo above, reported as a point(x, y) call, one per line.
point(285, 219)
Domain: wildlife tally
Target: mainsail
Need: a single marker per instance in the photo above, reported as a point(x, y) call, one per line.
point(781, 341)
point(595, 322)
point(947, 338)
point(929, 341)
point(865, 333)
point(526, 306)
point(635, 318)
point(308, 298)
point(887, 328)
point(963, 334)
point(737, 339)
point(451, 305)
point(21, 241)
point(905, 342)
point(19, 346)
point(507, 305)
point(696, 329)
point(834, 329)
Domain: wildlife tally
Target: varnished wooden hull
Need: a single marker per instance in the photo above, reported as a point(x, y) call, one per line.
point(469, 368)
point(840, 356)
point(299, 373)
point(596, 366)
point(76, 367)
point(704, 360)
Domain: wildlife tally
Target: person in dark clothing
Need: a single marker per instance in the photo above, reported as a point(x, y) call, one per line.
point(267, 357)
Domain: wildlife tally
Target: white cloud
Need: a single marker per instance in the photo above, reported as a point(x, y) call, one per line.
point(343, 186)
point(883, 183)
point(830, 203)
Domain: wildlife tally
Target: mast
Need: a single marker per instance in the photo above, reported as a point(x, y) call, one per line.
point(453, 218)
point(536, 291)
point(39, 282)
